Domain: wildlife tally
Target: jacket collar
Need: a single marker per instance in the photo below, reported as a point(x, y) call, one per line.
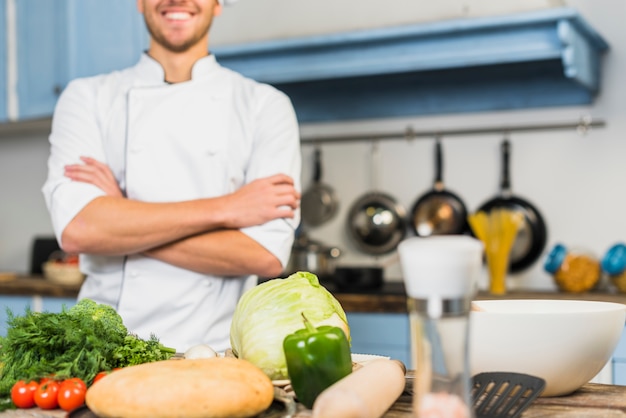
point(151, 72)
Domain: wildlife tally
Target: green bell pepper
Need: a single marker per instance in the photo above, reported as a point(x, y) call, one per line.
point(316, 358)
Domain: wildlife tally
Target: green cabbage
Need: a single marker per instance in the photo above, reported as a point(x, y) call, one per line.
point(269, 312)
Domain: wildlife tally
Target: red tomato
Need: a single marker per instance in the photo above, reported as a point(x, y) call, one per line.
point(77, 381)
point(46, 395)
point(23, 394)
point(72, 394)
point(99, 376)
point(46, 379)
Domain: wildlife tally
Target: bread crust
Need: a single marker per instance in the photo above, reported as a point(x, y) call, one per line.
point(207, 388)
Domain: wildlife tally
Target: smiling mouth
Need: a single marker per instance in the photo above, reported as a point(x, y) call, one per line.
point(177, 16)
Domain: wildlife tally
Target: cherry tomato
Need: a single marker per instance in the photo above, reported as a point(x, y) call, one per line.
point(99, 376)
point(77, 381)
point(72, 394)
point(46, 395)
point(46, 379)
point(23, 394)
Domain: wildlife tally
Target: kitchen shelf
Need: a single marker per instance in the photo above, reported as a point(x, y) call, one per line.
point(544, 58)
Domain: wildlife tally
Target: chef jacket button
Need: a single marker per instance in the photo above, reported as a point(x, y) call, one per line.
point(134, 273)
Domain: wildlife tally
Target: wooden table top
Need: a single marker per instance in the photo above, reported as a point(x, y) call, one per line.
point(591, 401)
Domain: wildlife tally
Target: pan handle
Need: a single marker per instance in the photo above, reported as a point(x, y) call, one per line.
point(317, 164)
point(505, 182)
point(438, 185)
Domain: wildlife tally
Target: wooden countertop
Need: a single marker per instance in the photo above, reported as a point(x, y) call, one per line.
point(390, 298)
point(591, 401)
point(36, 285)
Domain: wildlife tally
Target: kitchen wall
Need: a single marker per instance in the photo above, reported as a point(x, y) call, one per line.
point(279, 19)
point(576, 181)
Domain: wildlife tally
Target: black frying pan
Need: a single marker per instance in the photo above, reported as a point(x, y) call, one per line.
point(439, 211)
point(532, 235)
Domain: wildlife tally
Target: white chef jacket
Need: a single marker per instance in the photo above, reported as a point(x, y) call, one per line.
point(171, 142)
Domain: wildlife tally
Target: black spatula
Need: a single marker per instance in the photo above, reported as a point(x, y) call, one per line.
point(503, 394)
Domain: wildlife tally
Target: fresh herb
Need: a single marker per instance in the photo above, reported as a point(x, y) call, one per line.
point(77, 342)
point(138, 351)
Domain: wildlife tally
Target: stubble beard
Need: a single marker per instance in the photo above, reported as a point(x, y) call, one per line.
point(162, 40)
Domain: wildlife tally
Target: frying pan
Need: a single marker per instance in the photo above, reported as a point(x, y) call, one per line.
point(319, 202)
point(439, 211)
point(532, 235)
point(376, 222)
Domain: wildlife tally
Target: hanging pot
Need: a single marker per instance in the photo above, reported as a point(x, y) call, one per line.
point(319, 202)
point(532, 235)
point(439, 211)
point(376, 222)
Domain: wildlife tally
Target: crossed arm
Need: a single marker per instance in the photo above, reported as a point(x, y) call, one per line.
point(181, 233)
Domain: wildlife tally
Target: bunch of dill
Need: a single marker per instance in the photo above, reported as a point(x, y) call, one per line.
point(77, 342)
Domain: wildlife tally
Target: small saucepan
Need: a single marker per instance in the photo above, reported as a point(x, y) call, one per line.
point(532, 235)
point(312, 256)
point(439, 211)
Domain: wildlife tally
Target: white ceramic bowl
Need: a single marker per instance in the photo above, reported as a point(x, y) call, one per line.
point(565, 342)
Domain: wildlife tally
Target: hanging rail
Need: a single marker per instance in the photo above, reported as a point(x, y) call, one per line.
point(581, 126)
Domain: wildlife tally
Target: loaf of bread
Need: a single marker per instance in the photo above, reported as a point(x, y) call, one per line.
point(209, 388)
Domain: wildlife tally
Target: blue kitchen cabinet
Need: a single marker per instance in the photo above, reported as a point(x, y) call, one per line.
point(16, 304)
point(38, 42)
point(59, 40)
point(384, 334)
point(103, 36)
point(54, 304)
point(619, 362)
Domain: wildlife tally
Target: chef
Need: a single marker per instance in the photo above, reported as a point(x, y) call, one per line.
point(177, 181)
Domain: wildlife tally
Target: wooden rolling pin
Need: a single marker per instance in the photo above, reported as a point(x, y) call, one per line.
point(367, 392)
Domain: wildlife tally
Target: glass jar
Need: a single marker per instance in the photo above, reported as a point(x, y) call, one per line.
point(573, 270)
point(614, 265)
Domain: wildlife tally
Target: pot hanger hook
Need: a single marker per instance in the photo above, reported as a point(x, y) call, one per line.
point(584, 125)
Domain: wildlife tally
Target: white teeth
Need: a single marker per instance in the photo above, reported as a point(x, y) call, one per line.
point(178, 16)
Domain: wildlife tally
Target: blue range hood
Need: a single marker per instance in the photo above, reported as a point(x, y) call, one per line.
point(530, 60)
